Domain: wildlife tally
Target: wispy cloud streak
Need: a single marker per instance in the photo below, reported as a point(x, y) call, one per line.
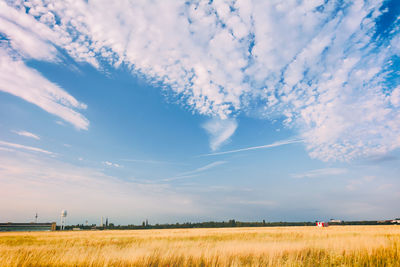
point(195, 172)
point(149, 161)
point(179, 178)
point(206, 167)
point(27, 134)
point(275, 144)
point(30, 148)
point(320, 172)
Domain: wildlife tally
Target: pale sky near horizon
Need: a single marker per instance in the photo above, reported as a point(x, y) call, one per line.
point(177, 111)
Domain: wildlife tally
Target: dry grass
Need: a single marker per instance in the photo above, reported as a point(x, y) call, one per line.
point(280, 246)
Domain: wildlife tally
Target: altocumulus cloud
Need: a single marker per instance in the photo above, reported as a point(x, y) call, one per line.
point(327, 67)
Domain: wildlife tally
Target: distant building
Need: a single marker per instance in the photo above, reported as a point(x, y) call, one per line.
point(335, 221)
point(396, 221)
point(322, 224)
point(11, 227)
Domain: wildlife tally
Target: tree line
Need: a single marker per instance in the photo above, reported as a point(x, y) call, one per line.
point(213, 224)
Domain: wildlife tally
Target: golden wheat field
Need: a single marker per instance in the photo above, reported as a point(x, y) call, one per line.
point(274, 246)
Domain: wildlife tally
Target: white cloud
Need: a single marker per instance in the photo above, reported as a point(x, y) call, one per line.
point(320, 172)
point(275, 144)
point(28, 37)
point(220, 131)
point(27, 134)
point(23, 147)
point(319, 64)
point(395, 97)
point(110, 164)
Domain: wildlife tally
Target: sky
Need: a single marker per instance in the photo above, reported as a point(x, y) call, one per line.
point(177, 111)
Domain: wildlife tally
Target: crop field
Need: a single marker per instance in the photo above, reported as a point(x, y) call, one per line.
point(274, 246)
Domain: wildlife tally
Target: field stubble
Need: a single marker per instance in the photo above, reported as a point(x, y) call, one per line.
point(275, 246)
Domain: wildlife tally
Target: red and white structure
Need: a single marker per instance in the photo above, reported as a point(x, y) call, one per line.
point(322, 224)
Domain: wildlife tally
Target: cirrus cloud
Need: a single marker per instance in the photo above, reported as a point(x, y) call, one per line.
point(21, 37)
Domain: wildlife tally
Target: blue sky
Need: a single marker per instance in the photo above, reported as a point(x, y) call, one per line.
point(194, 111)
